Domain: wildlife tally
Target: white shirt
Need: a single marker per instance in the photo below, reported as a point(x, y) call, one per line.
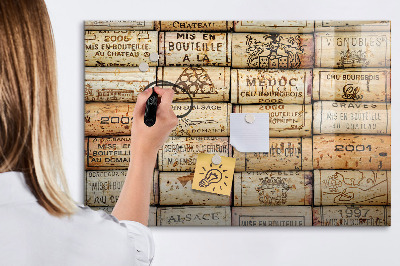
point(31, 236)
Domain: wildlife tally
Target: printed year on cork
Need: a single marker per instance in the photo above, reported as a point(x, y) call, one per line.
point(119, 48)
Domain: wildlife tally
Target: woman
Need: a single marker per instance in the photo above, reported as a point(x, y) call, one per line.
point(39, 222)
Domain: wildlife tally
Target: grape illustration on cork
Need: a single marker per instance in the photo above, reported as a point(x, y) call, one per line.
point(280, 123)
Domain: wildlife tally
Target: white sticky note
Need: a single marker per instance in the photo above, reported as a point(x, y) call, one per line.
point(249, 137)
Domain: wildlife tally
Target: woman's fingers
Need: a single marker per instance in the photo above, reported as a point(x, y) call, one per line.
point(167, 96)
point(165, 108)
point(140, 105)
point(159, 91)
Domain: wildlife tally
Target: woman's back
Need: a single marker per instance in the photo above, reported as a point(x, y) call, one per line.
point(32, 236)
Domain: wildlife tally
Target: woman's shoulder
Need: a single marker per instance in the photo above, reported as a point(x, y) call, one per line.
point(97, 227)
point(85, 213)
point(137, 235)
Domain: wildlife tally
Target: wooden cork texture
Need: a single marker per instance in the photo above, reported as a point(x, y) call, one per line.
point(352, 117)
point(277, 26)
point(205, 119)
point(352, 85)
point(284, 154)
point(194, 216)
point(194, 25)
point(345, 151)
point(352, 49)
point(103, 187)
point(176, 189)
point(202, 84)
point(180, 153)
point(272, 216)
point(359, 187)
point(273, 188)
point(351, 25)
point(352, 216)
point(195, 49)
point(252, 86)
point(115, 84)
point(104, 153)
point(285, 120)
point(119, 48)
point(272, 50)
point(119, 25)
point(325, 84)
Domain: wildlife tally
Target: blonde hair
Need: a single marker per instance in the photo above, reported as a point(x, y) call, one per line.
point(29, 126)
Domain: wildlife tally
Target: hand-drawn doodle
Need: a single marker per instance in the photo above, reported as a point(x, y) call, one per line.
point(347, 189)
point(196, 81)
point(213, 175)
point(273, 190)
point(274, 52)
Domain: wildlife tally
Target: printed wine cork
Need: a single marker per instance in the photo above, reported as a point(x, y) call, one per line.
point(357, 152)
point(104, 119)
point(152, 216)
point(273, 188)
point(352, 85)
point(103, 187)
point(180, 153)
point(176, 189)
point(119, 25)
point(285, 120)
point(272, 216)
point(352, 216)
point(195, 48)
point(152, 213)
point(120, 48)
point(284, 154)
point(116, 84)
point(106, 153)
point(352, 117)
point(352, 49)
point(205, 119)
point(275, 26)
point(194, 25)
point(204, 84)
point(345, 187)
point(352, 25)
point(272, 50)
point(271, 86)
point(193, 216)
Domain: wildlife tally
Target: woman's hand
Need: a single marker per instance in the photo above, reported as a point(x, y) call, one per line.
point(134, 200)
point(148, 140)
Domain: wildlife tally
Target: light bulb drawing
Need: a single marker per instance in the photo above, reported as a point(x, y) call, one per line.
point(213, 176)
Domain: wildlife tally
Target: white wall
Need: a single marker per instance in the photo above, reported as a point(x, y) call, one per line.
point(229, 246)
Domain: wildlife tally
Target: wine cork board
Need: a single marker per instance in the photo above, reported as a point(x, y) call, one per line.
point(326, 86)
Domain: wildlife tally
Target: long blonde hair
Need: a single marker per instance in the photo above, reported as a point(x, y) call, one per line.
point(29, 126)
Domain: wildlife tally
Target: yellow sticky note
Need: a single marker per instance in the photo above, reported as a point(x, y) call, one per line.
point(213, 178)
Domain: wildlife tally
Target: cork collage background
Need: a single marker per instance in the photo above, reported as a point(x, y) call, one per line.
point(325, 84)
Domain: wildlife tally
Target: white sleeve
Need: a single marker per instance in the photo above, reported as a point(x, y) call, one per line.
point(139, 236)
point(142, 239)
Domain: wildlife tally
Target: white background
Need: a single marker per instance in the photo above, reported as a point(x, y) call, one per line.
point(229, 246)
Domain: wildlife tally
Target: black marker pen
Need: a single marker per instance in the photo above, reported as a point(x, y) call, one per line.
point(151, 109)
